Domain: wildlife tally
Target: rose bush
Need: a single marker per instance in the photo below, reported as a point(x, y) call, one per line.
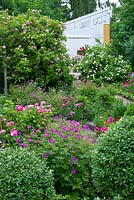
point(32, 48)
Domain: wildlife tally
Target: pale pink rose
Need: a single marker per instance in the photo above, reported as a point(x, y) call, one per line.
point(47, 110)
point(43, 103)
point(36, 105)
point(29, 106)
point(10, 123)
point(14, 132)
point(2, 131)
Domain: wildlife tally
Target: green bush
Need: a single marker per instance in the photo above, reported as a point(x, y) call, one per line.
point(113, 161)
point(23, 176)
point(130, 110)
point(32, 48)
point(101, 66)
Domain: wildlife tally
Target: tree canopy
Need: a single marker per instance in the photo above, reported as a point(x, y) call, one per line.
point(122, 29)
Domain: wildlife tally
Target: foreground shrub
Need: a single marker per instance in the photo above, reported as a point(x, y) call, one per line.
point(24, 176)
point(101, 66)
point(113, 161)
point(67, 146)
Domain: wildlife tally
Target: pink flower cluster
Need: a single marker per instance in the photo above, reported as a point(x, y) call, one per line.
point(104, 128)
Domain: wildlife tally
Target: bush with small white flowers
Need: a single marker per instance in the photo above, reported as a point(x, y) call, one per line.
point(101, 66)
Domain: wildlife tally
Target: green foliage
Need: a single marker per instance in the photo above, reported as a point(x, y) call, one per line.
point(130, 110)
point(26, 94)
point(82, 7)
point(122, 29)
point(24, 176)
point(101, 66)
point(50, 8)
point(113, 159)
point(32, 47)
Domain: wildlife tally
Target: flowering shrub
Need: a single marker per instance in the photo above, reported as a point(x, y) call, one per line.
point(24, 123)
point(100, 65)
point(24, 176)
point(67, 146)
point(129, 85)
point(113, 160)
point(32, 47)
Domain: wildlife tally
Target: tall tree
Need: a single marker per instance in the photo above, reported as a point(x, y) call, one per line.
point(122, 29)
point(82, 7)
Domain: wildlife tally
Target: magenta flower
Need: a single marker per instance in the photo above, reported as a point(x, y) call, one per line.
point(96, 129)
point(126, 84)
point(44, 155)
point(94, 141)
point(19, 108)
point(37, 141)
point(64, 136)
point(18, 140)
point(85, 127)
point(23, 145)
point(30, 140)
point(50, 140)
point(73, 171)
point(74, 159)
point(109, 120)
point(104, 129)
point(14, 132)
point(40, 110)
point(46, 135)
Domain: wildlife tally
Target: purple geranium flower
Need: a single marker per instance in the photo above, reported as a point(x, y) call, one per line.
point(73, 171)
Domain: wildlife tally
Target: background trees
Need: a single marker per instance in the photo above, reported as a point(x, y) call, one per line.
point(51, 8)
point(82, 7)
point(122, 29)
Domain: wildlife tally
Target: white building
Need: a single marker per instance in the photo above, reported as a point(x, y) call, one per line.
point(86, 29)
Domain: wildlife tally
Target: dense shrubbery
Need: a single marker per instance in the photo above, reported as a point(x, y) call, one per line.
point(24, 176)
point(32, 47)
point(100, 65)
point(113, 161)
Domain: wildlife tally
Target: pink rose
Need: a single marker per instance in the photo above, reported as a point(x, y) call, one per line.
point(10, 123)
point(19, 108)
point(14, 132)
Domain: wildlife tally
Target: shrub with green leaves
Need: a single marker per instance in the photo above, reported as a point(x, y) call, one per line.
point(130, 110)
point(32, 48)
point(100, 65)
point(24, 176)
point(113, 161)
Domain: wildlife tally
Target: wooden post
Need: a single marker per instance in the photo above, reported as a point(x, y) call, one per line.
point(106, 33)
